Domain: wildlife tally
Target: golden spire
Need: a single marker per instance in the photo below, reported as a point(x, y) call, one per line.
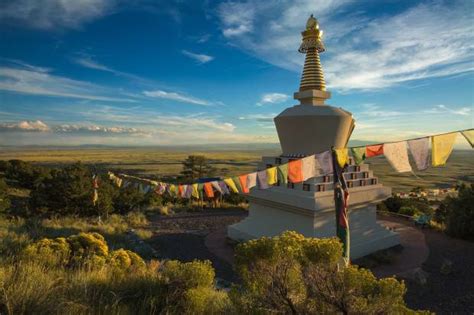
point(312, 78)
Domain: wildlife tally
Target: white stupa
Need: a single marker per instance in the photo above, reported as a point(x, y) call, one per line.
point(308, 208)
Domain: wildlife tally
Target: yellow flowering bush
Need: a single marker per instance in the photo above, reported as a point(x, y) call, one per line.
point(52, 252)
point(123, 259)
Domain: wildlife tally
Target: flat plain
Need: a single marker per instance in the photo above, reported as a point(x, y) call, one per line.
point(157, 162)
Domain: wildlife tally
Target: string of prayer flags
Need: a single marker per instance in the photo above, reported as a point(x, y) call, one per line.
point(325, 162)
point(373, 150)
point(272, 178)
point(420, 149)
point(397, 155)
point(358, 154)
point(283, 173)
point(251, 180)
point(230, 183)
point(469, 135)
point(295, 174)
point(243, 183)
point(262, 179)
point(308, 167)
point(208, 190)
point(342, 156)
point(441, 148)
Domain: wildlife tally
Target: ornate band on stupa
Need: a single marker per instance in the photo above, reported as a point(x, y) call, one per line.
point(312, 89)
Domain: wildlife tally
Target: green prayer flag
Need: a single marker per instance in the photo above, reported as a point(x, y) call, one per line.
point(283, 173)
point(201, 191)
point(358, 154)
point(236, 181)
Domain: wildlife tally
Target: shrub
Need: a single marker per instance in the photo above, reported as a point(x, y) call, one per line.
point(26, 174)
point(125, 260)
point(50, 252)
point(88, 249)
point(136, 219)
point(4, 199)
point(294, 274)
point(410, 211)
point(460, 213)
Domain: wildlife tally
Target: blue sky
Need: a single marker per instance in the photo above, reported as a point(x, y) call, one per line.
point(189, 72)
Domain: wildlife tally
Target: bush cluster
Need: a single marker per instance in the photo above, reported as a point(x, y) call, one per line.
point(406, 206)
point(457, 213)
point(84, 250)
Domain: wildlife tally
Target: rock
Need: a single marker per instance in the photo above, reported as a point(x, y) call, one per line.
point(446, 267)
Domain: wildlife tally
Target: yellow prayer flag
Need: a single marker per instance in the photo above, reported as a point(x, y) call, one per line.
point(195, 192)
point(441, 148)
point(272, 175)
point(342, 156)
point(231, 185)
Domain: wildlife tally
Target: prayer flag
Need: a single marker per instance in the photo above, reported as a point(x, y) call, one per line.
point(325, 162)
point(172, 190)
point(195, 192)
point(308, 165)
point(342, 157)
point(358, 154)
point(243, 183)
point(397, 155)
point(231, 185)
point(441, 148)
point(283, 173)
point(189, 191)
point(272, 175)
point(201, 190)
point(180, 190)
point(469, 135)
point(224, 188)
point(262, 179)
point(341, 200)
point(252, 180)
point(295, 173)
point(216, 186)
point(208, 190)
point(236, 181)
point(373, 150)
point(420, 149)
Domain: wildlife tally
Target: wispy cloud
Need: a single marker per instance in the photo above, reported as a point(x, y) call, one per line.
point(363, 52)
point(443, 109)
point(54, 14)
point(200, 58)
point(40, 81)
point(176, 97)
point(259, 117)
point(272, 98)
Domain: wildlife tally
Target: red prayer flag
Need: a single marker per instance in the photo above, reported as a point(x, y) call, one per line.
point(373, 150)
point(295, 171)
point(243, 183)
point(180, 190)
point(208, 190)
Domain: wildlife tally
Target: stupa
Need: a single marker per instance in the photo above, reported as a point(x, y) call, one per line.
point(308, 208)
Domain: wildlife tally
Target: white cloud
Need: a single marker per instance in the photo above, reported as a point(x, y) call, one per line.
point(54, 14)
point(200, 58)
point(363, 52)
point(25, 125)
point(272, 98)
point(40, 81)
point(176, 97)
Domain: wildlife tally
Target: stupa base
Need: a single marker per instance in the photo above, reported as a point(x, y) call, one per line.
point(269, 217)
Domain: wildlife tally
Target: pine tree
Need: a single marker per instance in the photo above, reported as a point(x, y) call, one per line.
point(195, 167)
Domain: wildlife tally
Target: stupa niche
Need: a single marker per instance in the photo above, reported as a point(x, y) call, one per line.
point(308, 208)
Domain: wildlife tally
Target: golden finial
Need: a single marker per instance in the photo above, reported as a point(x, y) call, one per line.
point(312, 36)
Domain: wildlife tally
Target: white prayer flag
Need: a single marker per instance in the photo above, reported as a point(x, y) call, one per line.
point(325, 161)
point(420, 151)
point(397, 155)
point(308, 167)
point(216, 186)
point(251, 180)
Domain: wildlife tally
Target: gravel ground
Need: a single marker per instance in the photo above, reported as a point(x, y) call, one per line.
point(181, 236)
point(451, 293)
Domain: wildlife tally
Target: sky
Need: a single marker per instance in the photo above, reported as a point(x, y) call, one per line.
point(176, 72)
